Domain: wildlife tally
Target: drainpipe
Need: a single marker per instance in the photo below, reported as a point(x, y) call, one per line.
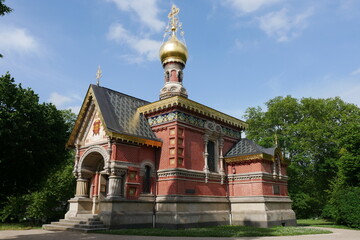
point(228, 193)
point(156, 155)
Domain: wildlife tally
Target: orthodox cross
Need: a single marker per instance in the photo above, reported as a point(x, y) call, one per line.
point(174, 23)
point(98, 75)
point(173, 19)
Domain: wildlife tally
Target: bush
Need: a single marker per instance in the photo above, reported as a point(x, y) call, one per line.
point(344, 206)
point(305, 206)
point(46, 204)
point(14, 209)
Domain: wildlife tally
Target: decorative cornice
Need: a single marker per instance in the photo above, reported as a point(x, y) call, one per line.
point(192, 120)
point(258, 156)
point(133, 139)
point(255, 175)
point(178, 172)
point(178, 101)
point(249, 157)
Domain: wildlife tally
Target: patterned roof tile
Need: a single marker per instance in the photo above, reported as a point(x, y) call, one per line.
point(246, 147)
point(120, 113)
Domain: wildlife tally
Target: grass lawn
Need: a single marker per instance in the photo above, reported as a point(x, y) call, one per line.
point(321, 223)
point(17, 226)
point(219, 231)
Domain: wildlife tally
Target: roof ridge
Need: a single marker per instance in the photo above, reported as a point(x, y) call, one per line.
point(117, 92)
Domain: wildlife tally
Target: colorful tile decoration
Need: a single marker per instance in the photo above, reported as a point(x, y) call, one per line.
point(195, 121)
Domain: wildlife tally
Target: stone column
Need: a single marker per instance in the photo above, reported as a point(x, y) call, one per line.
point(221, 159)
point(109, 152)
point(279, 167)
point(82, 188)
point(77, 157)
point(114, 186)
point(206, 154)
point(274, 169)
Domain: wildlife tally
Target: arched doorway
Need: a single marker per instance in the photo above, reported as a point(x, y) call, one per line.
point(92, 178)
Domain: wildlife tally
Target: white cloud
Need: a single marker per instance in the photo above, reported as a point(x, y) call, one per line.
point(282, 26)
point(355, 72)
point(62, 101)
point(146, 10)
point(59, 100)
point(347, 88)
point(13, 39)
point(247, 6)
point(145, 47)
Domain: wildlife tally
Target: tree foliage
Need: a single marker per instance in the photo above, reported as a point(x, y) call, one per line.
point(321, 139)
point(3, 10)
point(33, 158)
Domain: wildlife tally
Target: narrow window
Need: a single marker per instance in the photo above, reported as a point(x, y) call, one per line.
point(211, 156)
point(146, 180)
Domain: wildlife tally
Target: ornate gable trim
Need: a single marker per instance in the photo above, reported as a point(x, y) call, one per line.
point(258, 156)
point(89, 103)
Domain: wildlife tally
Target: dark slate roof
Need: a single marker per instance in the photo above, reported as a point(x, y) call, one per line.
point(119, 112)
point(246, 147)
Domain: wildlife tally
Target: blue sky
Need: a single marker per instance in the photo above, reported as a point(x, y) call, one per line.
point(241, 52)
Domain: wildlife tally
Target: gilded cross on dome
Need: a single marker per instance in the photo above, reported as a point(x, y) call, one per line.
point(174, 23)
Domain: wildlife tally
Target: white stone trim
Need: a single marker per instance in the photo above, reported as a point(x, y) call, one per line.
point(142, 168)
point(179, 172)
point(92, 149)
point(253, 175)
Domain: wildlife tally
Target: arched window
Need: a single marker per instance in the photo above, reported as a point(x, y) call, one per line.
point(211, 156)
point(147, 180)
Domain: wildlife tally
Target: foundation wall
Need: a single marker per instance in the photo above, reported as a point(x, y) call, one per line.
point(186, 211)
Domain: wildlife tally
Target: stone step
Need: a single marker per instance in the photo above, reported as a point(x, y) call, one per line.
point(54, 227)
point(85, 215)
point(81, 221)
point(84, 218)
point(77, 225)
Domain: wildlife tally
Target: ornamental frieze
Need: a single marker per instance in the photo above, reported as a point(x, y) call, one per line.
point(194, 121)
point(187, 174)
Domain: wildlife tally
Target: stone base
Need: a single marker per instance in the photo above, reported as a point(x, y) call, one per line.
point(121, 213)
point(186, 211)
point(262, 211)
point(79, 205)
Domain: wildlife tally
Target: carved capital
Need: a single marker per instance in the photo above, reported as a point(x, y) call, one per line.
point(120, 172)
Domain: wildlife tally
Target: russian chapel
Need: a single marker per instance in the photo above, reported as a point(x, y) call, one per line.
point(172, 163)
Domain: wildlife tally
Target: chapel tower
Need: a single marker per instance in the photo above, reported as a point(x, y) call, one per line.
point(173, 56)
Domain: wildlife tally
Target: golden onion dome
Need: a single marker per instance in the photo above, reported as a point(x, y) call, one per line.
point(173, 51)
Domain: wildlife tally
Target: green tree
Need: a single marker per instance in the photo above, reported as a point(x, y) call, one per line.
point(344, 203)
point(33, 157)
point(313, 134)
point(3, 10)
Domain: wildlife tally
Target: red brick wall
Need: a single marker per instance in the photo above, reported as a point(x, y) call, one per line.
point(180, 187)
point(194, 150)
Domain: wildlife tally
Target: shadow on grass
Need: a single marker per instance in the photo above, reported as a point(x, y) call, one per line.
point(19, 226)
point(322, 223)
point(219, 231)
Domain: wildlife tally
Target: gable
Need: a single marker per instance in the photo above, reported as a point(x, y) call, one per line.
point(119, 119)
point(95, 132)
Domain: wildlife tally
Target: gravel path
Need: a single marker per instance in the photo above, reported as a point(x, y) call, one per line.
point(39, 234)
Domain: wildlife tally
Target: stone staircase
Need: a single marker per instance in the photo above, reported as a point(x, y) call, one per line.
point(81, 223)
